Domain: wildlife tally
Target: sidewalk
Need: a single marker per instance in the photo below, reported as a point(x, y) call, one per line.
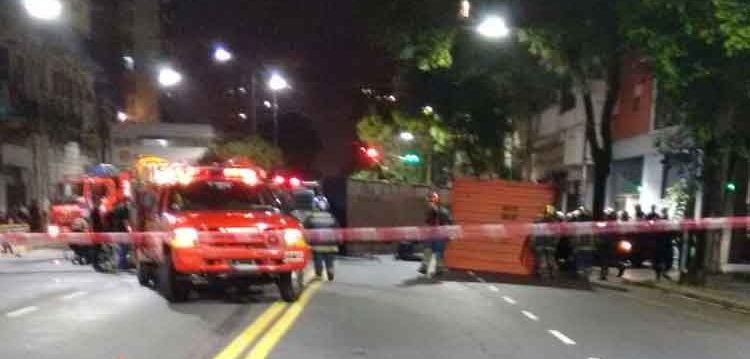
point(33, 255)
point(725, 290)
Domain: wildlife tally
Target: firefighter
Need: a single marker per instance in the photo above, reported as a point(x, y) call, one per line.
point(437, 215)
point(323, 254)
point(545, 246)
point(584, 245)
point(121, 222)
point(606, 244)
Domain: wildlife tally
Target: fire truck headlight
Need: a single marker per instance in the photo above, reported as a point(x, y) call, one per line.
point(185, 237)
point(53, 231)
point(293, 237)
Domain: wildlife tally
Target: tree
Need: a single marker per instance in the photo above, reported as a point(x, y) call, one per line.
point(482, 91)
point(258, 150)
point(583, 39)
point(299, 142)
point(699, 50)
point(491, 91)
point(382, 131)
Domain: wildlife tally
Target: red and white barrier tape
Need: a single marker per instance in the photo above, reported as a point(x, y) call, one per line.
point(396, 234)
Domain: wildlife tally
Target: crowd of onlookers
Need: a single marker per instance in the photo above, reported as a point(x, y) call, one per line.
point(33, 216)
point(579, 253)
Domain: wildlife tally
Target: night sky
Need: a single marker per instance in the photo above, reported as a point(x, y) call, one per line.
point(320, 45)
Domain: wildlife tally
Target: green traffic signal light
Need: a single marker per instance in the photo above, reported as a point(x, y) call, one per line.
point(730, 186)
point(410, 159)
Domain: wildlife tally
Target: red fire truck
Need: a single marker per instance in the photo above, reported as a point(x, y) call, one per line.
point(224, 224)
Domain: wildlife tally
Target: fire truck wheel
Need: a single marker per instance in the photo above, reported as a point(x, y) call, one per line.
point(144, 273)
point(168, 283)
point(291, 285)
point(104, 259)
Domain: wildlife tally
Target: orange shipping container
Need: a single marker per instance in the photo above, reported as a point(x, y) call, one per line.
point(495, 201)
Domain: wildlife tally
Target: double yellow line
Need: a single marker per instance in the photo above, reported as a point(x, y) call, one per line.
point(261, 325)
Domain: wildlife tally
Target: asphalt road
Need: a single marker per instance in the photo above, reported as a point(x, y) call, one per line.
point(374, 309)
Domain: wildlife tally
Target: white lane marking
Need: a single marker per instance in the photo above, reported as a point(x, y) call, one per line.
point(530, 315)
point(493, 288)
point(481, 279)
point(73, 295)
point(509, 299)
point(562, 337)
point(22, 311)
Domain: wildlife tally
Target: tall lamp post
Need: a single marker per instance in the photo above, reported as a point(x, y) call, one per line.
point(47, 10)
point(276, 83)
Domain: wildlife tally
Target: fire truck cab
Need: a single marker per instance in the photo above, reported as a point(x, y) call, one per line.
point(78, 196)
point(224, 224)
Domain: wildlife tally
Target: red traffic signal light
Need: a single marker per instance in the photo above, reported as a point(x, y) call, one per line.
point(372, 153)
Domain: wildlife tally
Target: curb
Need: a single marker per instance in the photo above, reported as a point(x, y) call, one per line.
point(697, 295)
point(610, 286)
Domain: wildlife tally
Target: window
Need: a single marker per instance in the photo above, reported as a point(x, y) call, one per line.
point(637, 93)
point(219, 195)
point(567, 101)
point(4, 64)
point(18, 74)
point(668, 112)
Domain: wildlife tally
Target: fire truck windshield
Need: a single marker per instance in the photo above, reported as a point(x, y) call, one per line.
point(220, 195)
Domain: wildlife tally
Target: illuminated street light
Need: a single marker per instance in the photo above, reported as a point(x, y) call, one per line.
point(168, 77)
point(129, 62)
point(465, 9)
point(122, 116)
point(242, 115)
point(493, 27)
point(44, 9)
point(267, 104)
point(406, 136)
point(221, 54)
point(428, 110)
point(277, 83)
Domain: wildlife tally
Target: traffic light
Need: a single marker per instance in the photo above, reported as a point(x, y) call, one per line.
point(370, 154)
point(730, 186)
point(410, 159)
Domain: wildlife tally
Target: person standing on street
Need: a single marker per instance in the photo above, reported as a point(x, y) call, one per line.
point(36, 217)
point(663, 249)
point(545, 246)
point(323, 254)
point(606, 244)
point(437, 215)
point(121, 223)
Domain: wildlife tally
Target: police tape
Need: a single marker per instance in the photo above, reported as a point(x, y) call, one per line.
point(394, 234)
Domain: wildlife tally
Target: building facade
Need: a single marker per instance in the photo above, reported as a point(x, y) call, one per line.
point(47, 100)
point(171, 141)
point(639, 173)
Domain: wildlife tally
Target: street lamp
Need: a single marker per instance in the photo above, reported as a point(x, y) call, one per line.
point(44, 9)
point(222, 55)
point(276, 83)
point(122, 116)
point(169, 77)
point(493, 27)
point(406, 136)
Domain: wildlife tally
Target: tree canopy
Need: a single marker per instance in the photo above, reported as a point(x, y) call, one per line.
point(254, 148)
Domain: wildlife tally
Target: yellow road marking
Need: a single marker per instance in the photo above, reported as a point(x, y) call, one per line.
point(282, 326)
point(239, 344)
